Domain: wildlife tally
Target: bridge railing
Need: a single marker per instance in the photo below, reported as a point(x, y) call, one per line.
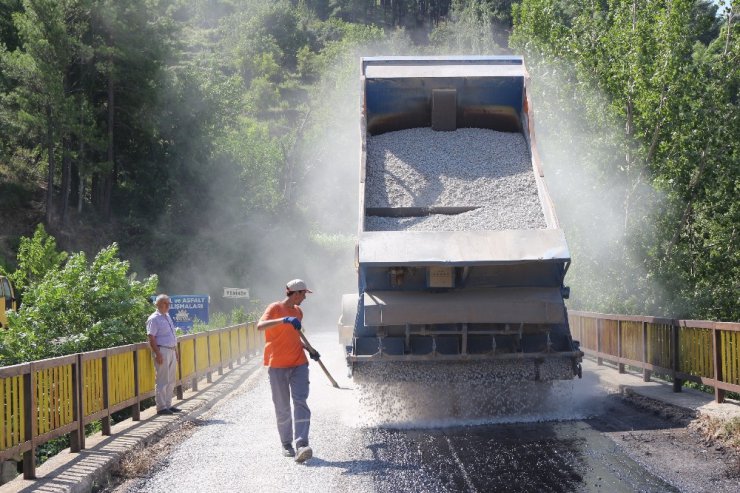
point(45, 399)
point(684, 350)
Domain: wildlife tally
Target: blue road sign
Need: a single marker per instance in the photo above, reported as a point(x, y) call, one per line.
point(185, 308)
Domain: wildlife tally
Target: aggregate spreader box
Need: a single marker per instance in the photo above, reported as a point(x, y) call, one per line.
point(460, 258)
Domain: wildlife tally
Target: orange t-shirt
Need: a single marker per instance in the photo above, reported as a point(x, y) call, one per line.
point(283, 346)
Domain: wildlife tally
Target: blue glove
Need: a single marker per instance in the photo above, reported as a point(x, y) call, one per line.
point(314, 355)
point(293, 321)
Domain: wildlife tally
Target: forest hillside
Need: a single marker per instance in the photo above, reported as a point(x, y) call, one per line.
point(216, 142)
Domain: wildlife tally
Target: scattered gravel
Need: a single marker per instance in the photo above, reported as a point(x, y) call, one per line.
point(470, 167)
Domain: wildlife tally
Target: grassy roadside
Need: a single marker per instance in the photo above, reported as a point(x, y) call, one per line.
point(719, 431)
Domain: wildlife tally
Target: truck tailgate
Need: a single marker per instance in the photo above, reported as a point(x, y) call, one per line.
point(529, 305)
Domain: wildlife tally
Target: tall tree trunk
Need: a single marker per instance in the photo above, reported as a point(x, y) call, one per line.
point(730, 16)
point(52, 164)
point(80, 179)
point(108, 182)
point(66, 180)
point(80, 193)
point(74, 184)
point(65, 139)
point(95, 191)
point(689, 203)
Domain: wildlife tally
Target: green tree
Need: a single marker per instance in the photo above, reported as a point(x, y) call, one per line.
point(8, 33)
point(646, 67)
point(472, 27)
point(39, 66)
point(79, 307)
point(37, 256)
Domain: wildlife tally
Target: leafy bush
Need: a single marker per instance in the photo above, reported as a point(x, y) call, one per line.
point(79, 307)
point(37, 256)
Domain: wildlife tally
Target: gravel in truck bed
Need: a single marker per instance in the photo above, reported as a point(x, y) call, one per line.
point(468, 167)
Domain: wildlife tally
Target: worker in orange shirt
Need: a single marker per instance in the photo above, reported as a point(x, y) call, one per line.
point(288, 369)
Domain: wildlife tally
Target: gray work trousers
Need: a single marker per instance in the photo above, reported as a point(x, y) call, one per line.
point(287, 382)
point(165, 379)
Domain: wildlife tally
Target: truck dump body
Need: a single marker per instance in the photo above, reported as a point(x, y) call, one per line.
point(460, 256)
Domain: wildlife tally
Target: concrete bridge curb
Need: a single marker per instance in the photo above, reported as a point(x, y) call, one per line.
point(693, 401)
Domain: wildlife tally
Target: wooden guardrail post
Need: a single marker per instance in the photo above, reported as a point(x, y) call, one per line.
point(719, 394)
point(209, 379)
point(105, 420)
point(248, 336)
point(239, 342)
point(81, 398)
point(136, 408)
point(231, 351)
point(76, 443)
point(620, 366)
point(646, 373)
point(178, 387)
point(675, 360)
point(194, 381)
point(30, 425)
point(599, 359)
point(220, 354)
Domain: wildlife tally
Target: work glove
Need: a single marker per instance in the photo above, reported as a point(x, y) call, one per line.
point(293, 321)
point(314, 355)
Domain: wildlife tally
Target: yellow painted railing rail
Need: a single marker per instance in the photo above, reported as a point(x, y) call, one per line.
point(43, 400)
point(684, 350)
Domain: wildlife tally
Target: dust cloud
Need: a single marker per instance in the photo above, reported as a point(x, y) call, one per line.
point(602, 195)
point(313, 237)
point(604, 205)
point(326, 185)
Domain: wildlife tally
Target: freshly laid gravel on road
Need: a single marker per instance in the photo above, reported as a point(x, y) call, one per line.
point(474, 167)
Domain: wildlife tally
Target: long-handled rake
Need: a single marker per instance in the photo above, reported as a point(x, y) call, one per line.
point(318, 360)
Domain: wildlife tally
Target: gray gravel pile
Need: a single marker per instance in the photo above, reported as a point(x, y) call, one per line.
point(470, 167)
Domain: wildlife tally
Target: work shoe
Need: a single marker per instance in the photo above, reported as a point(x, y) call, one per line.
point(304, 453)
point(288, 450)
point(164, 411)
point(175, 409)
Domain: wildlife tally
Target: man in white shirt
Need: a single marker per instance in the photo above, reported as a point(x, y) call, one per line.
point(160, 330)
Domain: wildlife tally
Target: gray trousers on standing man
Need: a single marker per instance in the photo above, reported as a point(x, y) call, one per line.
point(165, 380)
point(287, 382)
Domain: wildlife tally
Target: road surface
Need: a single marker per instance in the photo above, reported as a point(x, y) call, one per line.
point(576, 437)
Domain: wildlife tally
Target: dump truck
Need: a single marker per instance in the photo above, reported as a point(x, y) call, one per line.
point(459, 256)
point(8, 300)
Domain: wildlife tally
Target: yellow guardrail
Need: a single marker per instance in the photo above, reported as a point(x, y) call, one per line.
point(46, 399)
point(684, 350)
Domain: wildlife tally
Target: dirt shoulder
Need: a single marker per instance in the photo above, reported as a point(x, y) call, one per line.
point(699, 454)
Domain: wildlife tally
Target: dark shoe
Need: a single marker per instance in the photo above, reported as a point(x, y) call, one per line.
point(288, 450)
point(304, 453)
point(175, 409)
point(164, 411)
